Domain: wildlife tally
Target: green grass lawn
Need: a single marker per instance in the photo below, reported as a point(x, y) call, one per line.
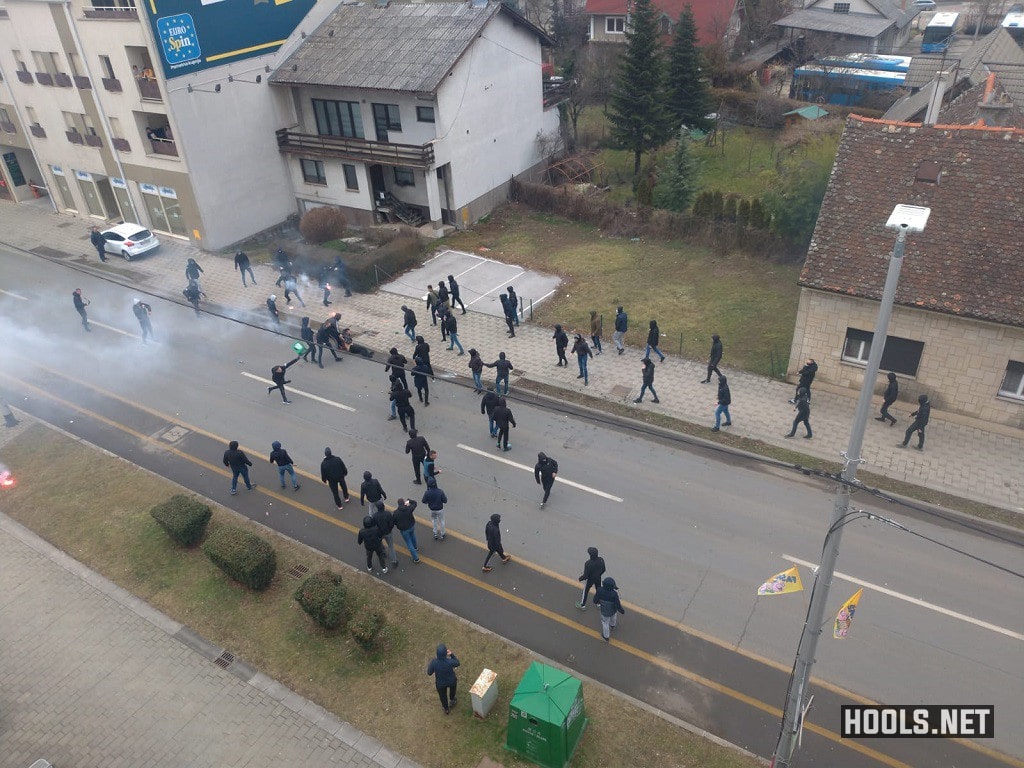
point(750, 302)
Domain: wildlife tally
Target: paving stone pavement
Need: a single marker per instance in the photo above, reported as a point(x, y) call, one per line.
point(962, 456)
point(93, 676)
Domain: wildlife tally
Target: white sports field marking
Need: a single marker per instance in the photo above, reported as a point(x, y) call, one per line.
point(913, 600)
point(319, 399)
point(501, 284)
point(517, 465)
point(123, 332)
point(14, 295)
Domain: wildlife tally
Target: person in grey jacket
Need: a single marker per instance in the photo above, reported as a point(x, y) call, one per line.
point(442, 669)
point(608, 598)
point(435, 500)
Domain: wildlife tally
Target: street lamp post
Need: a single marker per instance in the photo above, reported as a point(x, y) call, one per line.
point(905, 219)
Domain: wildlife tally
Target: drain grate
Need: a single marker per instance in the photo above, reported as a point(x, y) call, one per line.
point(297, 571)
point(225, 660)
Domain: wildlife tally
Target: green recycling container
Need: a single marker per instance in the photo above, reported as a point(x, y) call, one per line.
point(546, 716)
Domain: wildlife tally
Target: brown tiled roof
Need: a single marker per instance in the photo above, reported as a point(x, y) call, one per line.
point(969, 261)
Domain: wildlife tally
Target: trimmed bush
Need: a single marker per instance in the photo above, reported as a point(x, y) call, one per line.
point(183, 518)
point(365, 627)
point(322, 224)
point(243, 556)
point(324, 598)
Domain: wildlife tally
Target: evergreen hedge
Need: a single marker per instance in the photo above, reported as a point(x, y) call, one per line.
point(242, 555)
point(324, 598)
point(183, 518)
point(365, 627)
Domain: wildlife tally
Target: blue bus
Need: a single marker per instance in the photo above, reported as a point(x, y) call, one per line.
point(880, 61)
point(939, 33)
point(842, 86)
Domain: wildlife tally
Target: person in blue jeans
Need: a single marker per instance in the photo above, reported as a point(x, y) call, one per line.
point(583, 354)
point(285, 465)
point(653, 339)
point(239, 464)
point(405, 521)
point(501, 375)
point(724, 399)
point(409, 323)
point(476, 365)
point(452, 326)
point(647, 372)
point(488, 403)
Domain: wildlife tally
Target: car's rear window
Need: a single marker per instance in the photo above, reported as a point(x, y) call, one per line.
point(142, 234)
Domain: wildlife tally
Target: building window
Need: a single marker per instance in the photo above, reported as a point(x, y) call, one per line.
point(338, 118)
point(840, 7)
point(107, 67)
point(899, 356)
point(351, 180)
point(615, 25)
point(1013, 381)
point(385, 119)
point(404, 177)
point(313, 171)
point(425, 114)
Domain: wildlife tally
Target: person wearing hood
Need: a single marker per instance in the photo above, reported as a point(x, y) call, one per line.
point(724, 400)
point(892, 391)
point(420, 372)
point(544, 472)
point(593, 570)
point(285, 465)
point(503, 420)
point(476, 367)
point(243, 265)
point(714, 358)
point(803, 413)
point(385, 522)
point(80, 304)
point(142, 311)
point(409, 323)
point(561, 343)
point(333, 472)
point(442, 669)
point(504, 367)
point(418, 446)
point(193, 271)
point(581, 349)
point(238, 463)
point(595, 331)
point(435, 499)
point(370, 538)
point(277, 375)
point(647, 378)
point(275, 315)
point(607, 596)
point(396, 365)
point(509, 311)
point(405, 521)
point(921, 416)
point(488, 403)
point(513, 303)
point(323, 341)
point(192, 295)
point(400, 396)
point(453, 289)
point(452, 326)
point(371, 490)
point(806, 374)
point(653, 340)
point(307, 336)
point(492, 531)
point(621, 326)
point(421, 354)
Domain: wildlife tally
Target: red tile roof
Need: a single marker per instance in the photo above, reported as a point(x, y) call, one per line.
point(968, 261)
point(711, 16)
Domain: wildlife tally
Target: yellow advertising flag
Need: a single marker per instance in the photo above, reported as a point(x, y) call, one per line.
point(845, 616)
point(781, 583)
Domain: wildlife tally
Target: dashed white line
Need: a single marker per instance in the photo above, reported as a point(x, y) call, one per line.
point(559, 479)
point(13, 295)
point(502, 283)
point(913, 600)
point(292, 390)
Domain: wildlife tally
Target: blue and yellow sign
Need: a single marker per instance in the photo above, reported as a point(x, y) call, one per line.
point(198, 34)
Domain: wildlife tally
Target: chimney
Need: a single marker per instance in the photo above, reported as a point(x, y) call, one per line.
point(992, 111)
point(931, 116)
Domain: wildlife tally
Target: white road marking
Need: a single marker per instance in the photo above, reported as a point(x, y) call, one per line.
point(292, 390)
point(913, 600)
point(14, 295)
point(517, 465)
point(123, 332)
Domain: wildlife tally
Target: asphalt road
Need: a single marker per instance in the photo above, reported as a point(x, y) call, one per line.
point(688, 533)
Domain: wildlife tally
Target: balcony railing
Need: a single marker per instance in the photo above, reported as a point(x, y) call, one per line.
point(25, 76)
point(361, 150)
point(121, 145)
point(75, 137)
point(112, 84)
point(62, 80)
point(83, 82)
point(37, 131)
point(149, 88)
point(8, 127)
point(93, 141)
point(127, 14)
point(164, 147)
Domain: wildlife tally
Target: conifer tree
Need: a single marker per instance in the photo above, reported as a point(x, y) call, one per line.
point(677, 178)
point(689, 95)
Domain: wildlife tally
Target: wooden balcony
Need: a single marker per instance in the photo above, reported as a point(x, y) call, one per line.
point(360, 150)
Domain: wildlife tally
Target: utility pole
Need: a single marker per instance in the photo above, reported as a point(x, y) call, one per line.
point(905, 219)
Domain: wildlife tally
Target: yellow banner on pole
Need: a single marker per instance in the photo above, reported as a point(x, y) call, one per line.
point(845, 616)
point(782, 583)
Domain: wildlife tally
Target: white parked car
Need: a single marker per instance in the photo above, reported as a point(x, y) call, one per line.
point(129, 240)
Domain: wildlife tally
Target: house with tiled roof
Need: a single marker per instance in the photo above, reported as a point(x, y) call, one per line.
point(415, 112)
point(716, 20)
point(957, 329)
point(851, 26)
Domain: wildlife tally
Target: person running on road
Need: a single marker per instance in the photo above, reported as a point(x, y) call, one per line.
point(593, 570)
point(99, 242)
point(275, 315)
point(435, 499)
point(333, 472)
point(421, 354)
point(420, 372)
point(647, 374)
point(442, 669)
point(561, 343)
point(386, 524)
point(405, 521)
point(418, 446)
point(453, 289)
point(504, 367)
point(192, 295)
point(653, 340)
point(607, 596)
point(476, 367)
point(243, 265)
point(503, 418)
point(277, 374)
point(714, 358)
point(892, 392)
point(488, 403)
point(724, 400)
point(803, 413)
point(239, 464)
point(583, 354)
point(370, 538)
point(371, 490)
point(285, 465)
point(400, 395)
point(621, 326)
point(307, 335)
point(921, 416)
point(492, 532)
point(545, 472)
point(81, 303)
point(142, 311)
point(409, 323)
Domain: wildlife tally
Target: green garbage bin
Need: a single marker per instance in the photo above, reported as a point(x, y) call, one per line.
point(546, 716)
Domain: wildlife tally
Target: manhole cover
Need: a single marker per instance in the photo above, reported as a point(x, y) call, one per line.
point(225, 660)
point(297, 571)
point(174, 434)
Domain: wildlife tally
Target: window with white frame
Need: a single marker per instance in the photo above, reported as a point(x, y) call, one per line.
point(900, 355)
point(1013, 381)
point(615, 25)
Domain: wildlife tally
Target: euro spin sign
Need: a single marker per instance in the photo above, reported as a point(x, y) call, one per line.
point(198, 34)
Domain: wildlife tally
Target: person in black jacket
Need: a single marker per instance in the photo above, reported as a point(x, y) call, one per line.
point(561, 343)
point(921, 416)
point(370, 538)
point(243, 265)
point(492, 531)
point(285, 465)
point(653, 340)
point(418, 446)
point(452, 326)
point(333, 472)
point(142, 312)
point(435, 499)
point(593, 570)
point(503, 418)
point(724, 400)
point(420, 372)
point(488, 403)
point(810, 368)
point(405, 521)
point(323, 341)
point(386, 524)
point(714, 358)
point(621, 326)
point(239, 464)
point(607, 596)
point(892, 391)
point(400, 395)
point(545, 472)
point(371, 490)
point(509, 312)
point(193, 271)
point(803, 413)
point(581, 349)
point(504, 367)
point(443, 670)
point(476, 367)
point(396, 364)
point(80, 305)
point(277, 374)
point(307, 335)
point(421, 354)
point(647, 374)
point(453, 288)
point(513, 304)
point(192, 294)
point(409, 323)
point(99, 242)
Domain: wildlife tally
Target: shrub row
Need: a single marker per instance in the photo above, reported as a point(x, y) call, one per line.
point(184, 518)
point(324, 598)
point(242, 555)
point(732, 208)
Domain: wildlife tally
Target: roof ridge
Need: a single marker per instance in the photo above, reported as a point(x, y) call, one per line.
point(902, 124)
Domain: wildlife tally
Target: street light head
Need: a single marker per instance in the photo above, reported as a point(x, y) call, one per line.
point(910, 218)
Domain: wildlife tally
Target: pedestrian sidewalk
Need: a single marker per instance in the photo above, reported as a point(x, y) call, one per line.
point(962, 456)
